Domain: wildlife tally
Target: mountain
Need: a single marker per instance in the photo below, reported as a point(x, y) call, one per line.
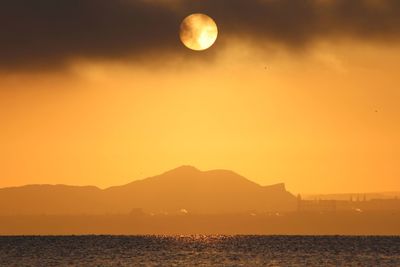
point(182, 189)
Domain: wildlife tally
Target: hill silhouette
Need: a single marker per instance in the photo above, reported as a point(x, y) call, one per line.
point(182, 189)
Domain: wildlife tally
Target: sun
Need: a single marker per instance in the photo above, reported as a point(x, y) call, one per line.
point(198, 32)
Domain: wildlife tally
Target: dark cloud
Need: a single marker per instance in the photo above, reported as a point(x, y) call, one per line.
point(48, 33)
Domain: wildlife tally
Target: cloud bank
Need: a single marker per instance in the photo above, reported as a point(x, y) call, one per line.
point(49, 33)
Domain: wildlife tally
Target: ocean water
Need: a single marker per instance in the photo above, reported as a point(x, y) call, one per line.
point(199, 251)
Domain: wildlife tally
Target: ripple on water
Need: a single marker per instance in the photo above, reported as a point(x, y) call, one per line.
point(199, 250)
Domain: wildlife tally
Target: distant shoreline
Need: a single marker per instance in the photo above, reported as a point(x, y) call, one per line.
point(382, 223)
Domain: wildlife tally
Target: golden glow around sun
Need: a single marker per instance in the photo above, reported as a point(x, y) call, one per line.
point(198, 32)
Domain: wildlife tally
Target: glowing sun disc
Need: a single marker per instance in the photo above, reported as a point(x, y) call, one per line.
point(198, 32)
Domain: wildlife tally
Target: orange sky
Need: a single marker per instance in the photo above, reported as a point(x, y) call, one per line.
point(324, 120)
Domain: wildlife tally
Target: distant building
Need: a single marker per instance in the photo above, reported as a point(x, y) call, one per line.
point(316, 205)
point(350, 205)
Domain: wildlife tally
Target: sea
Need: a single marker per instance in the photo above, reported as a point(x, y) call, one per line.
point(199, 250)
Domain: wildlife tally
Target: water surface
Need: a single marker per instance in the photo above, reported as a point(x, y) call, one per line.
point(199, 250)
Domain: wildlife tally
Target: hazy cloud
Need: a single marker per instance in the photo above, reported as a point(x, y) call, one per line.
point(47, 33)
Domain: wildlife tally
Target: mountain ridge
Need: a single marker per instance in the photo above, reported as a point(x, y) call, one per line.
point(185, 187)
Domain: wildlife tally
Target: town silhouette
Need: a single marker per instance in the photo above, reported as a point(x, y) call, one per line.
point(186, 200)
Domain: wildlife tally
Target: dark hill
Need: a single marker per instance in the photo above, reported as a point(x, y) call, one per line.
point(184, 188)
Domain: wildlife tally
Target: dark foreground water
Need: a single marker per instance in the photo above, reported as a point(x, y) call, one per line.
point(199, 250)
